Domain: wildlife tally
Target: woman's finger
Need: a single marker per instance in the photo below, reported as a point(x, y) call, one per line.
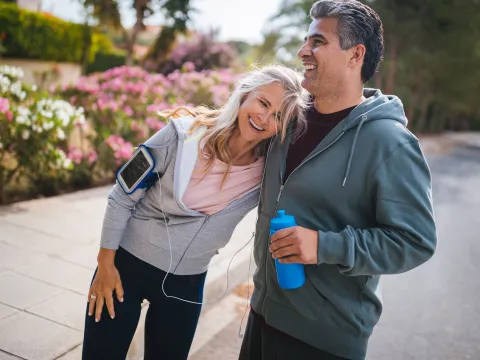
point(99, 307)
point(91, 306)
point(119, 290)
point(110, 307)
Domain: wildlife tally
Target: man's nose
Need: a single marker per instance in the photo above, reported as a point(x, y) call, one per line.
point(304, 51)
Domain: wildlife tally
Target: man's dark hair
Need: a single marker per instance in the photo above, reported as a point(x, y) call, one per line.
point(357, 24)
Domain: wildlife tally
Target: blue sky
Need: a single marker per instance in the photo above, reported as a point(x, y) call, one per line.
point(237, 20)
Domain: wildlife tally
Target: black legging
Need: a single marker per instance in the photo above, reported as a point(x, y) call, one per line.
point(170, 324)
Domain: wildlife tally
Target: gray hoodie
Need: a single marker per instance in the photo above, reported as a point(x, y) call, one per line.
point(136, 223)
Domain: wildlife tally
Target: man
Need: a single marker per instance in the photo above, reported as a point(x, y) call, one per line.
point(359, 188)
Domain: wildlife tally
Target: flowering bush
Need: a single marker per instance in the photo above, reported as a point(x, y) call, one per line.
point(202, 52)
point(33, 134)
point(121, 105)
point(79, 135)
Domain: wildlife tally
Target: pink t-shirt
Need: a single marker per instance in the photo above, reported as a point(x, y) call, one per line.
point(205, 195)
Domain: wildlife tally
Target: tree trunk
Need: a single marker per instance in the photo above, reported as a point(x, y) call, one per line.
point(378, 80)
point(423, 114)
point(87, 38)
point(392, 64)
point(131, 38)
point(159, 52)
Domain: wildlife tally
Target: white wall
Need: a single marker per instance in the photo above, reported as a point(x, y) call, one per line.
point(68, 72)
point(33, 5)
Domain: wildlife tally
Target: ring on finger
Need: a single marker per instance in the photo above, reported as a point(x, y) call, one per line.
point(93, 297)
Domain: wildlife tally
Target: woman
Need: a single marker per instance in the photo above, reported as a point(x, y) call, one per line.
point(210, 165)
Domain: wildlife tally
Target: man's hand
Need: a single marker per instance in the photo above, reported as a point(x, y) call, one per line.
point(295, 245)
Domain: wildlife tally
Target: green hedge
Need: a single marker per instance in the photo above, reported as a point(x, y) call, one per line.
point(32, 35)
point(104, 61)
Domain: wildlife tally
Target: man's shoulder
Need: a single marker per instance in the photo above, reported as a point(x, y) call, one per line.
point(387, 134)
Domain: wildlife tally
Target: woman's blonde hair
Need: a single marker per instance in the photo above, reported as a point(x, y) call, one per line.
point(222, 123)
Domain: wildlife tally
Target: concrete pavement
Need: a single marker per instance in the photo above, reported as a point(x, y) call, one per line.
point(48, 252)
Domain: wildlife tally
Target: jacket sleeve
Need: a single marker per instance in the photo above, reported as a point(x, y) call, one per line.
point(120, 204)
point(405, 236)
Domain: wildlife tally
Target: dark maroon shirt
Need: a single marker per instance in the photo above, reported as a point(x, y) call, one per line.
point(318, 127)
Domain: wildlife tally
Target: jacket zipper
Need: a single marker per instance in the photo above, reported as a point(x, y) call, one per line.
point(206, 219)
point(278, 200)
point(191, 242)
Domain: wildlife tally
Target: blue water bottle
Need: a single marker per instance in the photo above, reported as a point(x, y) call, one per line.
point(290, 276)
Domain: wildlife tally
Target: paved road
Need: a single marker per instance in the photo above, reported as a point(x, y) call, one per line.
point(432, 312)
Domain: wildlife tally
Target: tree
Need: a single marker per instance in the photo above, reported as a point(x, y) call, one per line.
point(177, 13)
point(107, 13)
point(432, 57)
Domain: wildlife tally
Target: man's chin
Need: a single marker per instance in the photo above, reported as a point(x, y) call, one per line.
point(309, 84)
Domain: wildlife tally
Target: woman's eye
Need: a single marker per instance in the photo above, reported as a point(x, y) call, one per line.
point(264, 104)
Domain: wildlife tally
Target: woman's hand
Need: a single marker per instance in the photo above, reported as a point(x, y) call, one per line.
point(106, 280)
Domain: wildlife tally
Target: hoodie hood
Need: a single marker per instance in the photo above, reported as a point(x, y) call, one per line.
point(377, 106)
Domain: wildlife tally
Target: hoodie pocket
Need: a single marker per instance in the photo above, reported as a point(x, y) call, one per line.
point(177, 236)
point(305, 300)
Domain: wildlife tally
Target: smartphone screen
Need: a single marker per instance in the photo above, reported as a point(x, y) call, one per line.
point(135, 169)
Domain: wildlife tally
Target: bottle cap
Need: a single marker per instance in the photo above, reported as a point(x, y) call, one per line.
point(282, 221)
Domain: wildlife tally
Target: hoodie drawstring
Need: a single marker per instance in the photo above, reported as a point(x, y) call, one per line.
point(352, 149)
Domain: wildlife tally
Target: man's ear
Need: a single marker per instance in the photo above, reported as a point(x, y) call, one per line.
point(357, 55)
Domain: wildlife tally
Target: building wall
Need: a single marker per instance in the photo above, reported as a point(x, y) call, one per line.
point(56, 73)
point(33, 5)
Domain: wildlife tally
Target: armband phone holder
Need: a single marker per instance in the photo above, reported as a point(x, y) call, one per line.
point(138, 172)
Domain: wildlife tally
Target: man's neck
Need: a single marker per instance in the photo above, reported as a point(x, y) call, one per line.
point(338, 102)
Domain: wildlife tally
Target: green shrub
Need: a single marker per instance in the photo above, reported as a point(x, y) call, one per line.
point(33, 35)
point(106, 60)
point(33, 136)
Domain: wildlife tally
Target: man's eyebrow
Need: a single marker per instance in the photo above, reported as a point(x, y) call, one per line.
point(316, 35)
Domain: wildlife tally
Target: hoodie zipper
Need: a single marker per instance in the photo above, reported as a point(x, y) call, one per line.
point(278, 200)
point(207, 217)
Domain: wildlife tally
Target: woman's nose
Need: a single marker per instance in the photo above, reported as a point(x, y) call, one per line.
point(262, 117)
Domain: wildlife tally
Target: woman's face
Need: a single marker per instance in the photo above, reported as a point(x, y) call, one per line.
point(259, 113)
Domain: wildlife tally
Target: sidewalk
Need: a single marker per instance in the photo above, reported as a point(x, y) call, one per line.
point(48, 252)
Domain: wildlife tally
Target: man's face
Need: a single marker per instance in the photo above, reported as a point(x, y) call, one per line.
point(326, 64)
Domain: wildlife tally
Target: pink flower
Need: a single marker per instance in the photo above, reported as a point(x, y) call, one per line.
point(122, 150)
point(75, 155)
point(189, 66)
point(92, 157)
point(154, 108)
point(113, 106)
point(9, 116)
point(126, 151)
point(4, 105)
point(135, 126)
point(154, 123)
point(128, 110)
point(220, 94)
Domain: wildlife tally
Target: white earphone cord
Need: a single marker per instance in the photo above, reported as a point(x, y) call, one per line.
point(228, 268)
